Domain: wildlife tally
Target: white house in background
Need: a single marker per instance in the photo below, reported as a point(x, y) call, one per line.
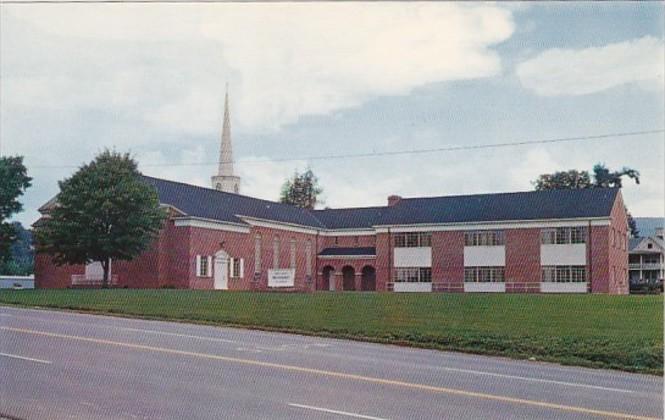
point(646, 258)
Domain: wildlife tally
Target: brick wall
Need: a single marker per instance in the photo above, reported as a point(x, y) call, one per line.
point(268, 235)
point(522, 270)
point(618, 250)
point(347, 241)
point(448, 261)
point(48, 275)
point(383, 261)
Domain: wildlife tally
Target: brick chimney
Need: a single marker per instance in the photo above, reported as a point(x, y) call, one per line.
point(393, 199)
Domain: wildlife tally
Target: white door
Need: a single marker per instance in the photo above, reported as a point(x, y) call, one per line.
point(221, 272)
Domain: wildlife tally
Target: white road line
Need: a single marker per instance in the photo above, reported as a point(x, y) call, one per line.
point(341, 413)
point(30, 359)
point(141, 330)
point(198, 337)
point(524, 378)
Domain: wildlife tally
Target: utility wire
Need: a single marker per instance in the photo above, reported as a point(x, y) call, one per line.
point(400, 152)
point(149, 1)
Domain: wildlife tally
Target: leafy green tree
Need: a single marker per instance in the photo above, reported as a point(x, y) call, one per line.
point(14, 180)
point(301, 190)
point(605, 178)
point(602, 178)
point(103, 212)
point(564, 179)
point(21, 260)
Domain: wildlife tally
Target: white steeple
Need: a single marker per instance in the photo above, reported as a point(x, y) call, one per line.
point(225, 180)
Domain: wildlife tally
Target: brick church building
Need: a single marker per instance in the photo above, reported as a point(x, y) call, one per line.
point(558, 241)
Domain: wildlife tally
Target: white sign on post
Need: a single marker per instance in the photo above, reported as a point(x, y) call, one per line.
point(283, 277)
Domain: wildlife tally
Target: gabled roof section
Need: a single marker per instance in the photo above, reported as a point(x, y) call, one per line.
point(208, 203)
point(641, 244)
point(531, 205)
point(350, 218)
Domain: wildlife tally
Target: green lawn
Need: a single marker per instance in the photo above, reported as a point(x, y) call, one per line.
point(619, 332)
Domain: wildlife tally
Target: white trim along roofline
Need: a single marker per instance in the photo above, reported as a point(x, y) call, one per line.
point(423, 227)
point(203, 223)
point(255, 221)
point(488, 225)
point(177, 210)
point(348, 232)
point(347, 257)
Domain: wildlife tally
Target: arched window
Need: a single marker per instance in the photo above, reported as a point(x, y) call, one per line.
point(257, 253)
point(292, 260)
point(218, 187)
point(275, 252)
point(308, 258)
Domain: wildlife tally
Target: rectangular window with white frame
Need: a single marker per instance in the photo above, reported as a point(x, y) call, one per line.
point(413, 240)
point(484, 274)
point(413, 275)
point(237, 268)
point(484, 238)
point(204, 266)
point(563, 235)
point(564, 274)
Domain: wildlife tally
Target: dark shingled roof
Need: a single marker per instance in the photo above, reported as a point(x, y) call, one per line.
point(217, 205)
point(341, 251)
point(533, 205)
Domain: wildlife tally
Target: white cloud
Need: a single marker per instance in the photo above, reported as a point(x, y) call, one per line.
point(283, 60)
point(558, 71)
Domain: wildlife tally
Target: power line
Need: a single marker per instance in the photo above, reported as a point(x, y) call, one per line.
point(154, 1)
point(400, 152)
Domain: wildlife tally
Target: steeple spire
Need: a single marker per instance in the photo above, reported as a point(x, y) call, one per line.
point(226, 151)
point(225, 180)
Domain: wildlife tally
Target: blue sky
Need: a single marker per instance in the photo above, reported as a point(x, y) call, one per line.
point(326, 79)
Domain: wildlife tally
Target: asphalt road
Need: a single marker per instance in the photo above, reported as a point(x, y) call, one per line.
point(59, 365)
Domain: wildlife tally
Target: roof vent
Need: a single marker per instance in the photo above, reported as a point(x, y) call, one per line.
point(659, 232)
point(393, 199)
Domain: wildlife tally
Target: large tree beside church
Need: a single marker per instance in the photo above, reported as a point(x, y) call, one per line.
point(602, 177)
point(104, 212)
point(301, 190)
point(14, 180)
